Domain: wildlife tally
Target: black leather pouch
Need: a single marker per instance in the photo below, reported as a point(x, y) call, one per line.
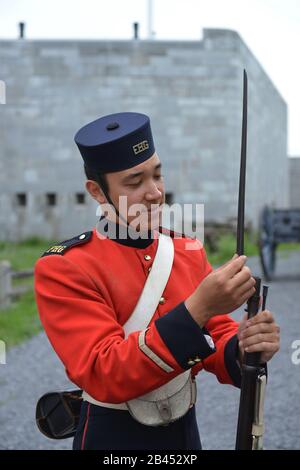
point(57, 413)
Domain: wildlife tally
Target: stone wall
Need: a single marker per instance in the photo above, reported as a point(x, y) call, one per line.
point(192, 90)
point(294, 164)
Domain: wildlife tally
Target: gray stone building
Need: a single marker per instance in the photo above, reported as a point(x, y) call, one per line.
point(294, 164)
point(192, 91)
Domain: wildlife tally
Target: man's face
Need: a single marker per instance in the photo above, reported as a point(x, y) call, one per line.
point(141, 185)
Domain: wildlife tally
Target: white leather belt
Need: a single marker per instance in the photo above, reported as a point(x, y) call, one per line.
point(172, 400)
point(146, 305)
point(116, 406)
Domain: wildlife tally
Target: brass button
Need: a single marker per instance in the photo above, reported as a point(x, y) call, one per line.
point(162, 300)
point(82, 237)
point(147, 257)
point(197, 359)
point(191, 362)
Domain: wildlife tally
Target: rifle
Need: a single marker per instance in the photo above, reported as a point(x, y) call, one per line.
point(250, 426)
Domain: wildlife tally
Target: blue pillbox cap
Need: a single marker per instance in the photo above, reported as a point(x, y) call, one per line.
point(116, 142)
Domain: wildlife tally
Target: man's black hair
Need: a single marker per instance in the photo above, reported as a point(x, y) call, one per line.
point(100, 178)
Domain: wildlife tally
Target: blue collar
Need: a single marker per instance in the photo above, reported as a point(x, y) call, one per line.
point(124, 235)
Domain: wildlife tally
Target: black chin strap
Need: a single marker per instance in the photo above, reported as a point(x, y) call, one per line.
point(116, 210)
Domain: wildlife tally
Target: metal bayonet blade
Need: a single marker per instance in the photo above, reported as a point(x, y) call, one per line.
point(242, 183)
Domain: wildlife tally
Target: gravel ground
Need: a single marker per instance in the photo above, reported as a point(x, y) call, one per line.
point(217, 406)
point(33, 369)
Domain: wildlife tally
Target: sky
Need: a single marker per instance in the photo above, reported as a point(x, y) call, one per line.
point(270, 28)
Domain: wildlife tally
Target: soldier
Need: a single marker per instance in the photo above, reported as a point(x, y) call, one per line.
point(135, 312)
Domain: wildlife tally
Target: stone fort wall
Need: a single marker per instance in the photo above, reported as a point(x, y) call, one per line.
point(192, 91)
point(294, 172)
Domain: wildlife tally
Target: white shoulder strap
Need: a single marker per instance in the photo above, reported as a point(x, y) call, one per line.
point(154, 286)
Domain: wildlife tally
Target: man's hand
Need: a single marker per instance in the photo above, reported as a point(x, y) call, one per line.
point(259, 334)
point(222, 291)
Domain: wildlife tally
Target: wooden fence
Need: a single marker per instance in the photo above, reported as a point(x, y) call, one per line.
point(8, 292)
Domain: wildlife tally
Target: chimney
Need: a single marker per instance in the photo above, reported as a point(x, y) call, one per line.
point(136, 30)
point(21, 30)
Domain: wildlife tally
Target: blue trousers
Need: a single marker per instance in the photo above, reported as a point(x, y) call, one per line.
point(109, 429)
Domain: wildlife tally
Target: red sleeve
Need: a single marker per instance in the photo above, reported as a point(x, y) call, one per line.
point(83, 330)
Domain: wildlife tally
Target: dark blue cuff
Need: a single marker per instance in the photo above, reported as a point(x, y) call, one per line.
point(231, 358)
point(184, 337)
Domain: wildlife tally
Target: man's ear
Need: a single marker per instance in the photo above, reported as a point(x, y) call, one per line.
point(95, 191)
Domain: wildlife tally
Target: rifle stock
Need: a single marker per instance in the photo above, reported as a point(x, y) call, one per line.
point(250, 421)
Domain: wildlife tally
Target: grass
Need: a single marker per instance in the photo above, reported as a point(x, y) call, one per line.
point(226, 247)
point(289, 247)
point(23, 255)
point(21, 321)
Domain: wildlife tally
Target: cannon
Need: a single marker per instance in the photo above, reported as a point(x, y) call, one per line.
point(276, 226)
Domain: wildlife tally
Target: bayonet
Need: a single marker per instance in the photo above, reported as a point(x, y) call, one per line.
point(250, 421)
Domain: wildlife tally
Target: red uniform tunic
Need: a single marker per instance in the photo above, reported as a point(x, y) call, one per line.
point(87, 292)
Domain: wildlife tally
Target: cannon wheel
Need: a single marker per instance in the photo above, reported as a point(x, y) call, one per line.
point(267, 245)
